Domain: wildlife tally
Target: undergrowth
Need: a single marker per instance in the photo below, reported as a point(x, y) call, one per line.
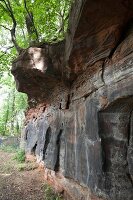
point(19, 153)
point(49, 193)
point(27, 166)
point(20, 156)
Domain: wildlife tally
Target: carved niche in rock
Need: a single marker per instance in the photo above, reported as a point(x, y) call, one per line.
point(115, 129)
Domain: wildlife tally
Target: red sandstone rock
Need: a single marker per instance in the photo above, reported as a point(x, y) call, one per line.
point(79, 123)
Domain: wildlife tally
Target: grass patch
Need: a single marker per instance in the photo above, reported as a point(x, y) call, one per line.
point(17, 159)
point(13, 159)
point(20, 156)
point(49, 193)
point(26, 166)
point(19, 153)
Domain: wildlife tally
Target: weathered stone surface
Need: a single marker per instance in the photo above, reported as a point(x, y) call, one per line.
point(80, 125)
point(130, 148)
point(34, 70)
point(115, 135)
point(100, 29)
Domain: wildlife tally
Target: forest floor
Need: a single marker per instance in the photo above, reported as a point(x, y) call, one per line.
point(20, 181)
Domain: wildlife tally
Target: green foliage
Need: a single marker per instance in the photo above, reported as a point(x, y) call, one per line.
point(22, 167)
point(19, 153)
point(20, 156)
point(5, 60)
point(12, 105)
point(50, 20)
point(50, 194)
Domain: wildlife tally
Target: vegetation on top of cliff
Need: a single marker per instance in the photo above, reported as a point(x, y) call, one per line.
point(29, 22)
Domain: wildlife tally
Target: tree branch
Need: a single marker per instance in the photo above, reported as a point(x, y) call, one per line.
point(3, 6)
point(23, 34)
point(31, 20)
point(5, 27)
point(13, 30)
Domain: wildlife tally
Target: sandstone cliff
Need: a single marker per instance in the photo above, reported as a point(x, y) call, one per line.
point(80, 120)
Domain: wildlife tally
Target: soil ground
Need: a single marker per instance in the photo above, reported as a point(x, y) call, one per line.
point(19, 182)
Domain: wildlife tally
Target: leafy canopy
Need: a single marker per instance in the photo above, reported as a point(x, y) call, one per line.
point(27, 22)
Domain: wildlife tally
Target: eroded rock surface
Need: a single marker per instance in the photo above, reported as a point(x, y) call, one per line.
point(80, 121)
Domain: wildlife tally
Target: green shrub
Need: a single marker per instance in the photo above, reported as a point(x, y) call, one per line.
point(20, 156)
point(21, 167)
point(49, 193)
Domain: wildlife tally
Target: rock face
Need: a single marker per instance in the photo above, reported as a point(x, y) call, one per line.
point(80, 120)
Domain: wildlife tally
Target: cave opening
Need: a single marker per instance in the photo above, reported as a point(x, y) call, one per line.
point(33, 151)
point(47, 141)
point(58, 141)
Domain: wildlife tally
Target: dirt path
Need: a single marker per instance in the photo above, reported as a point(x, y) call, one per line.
point(19, 185)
